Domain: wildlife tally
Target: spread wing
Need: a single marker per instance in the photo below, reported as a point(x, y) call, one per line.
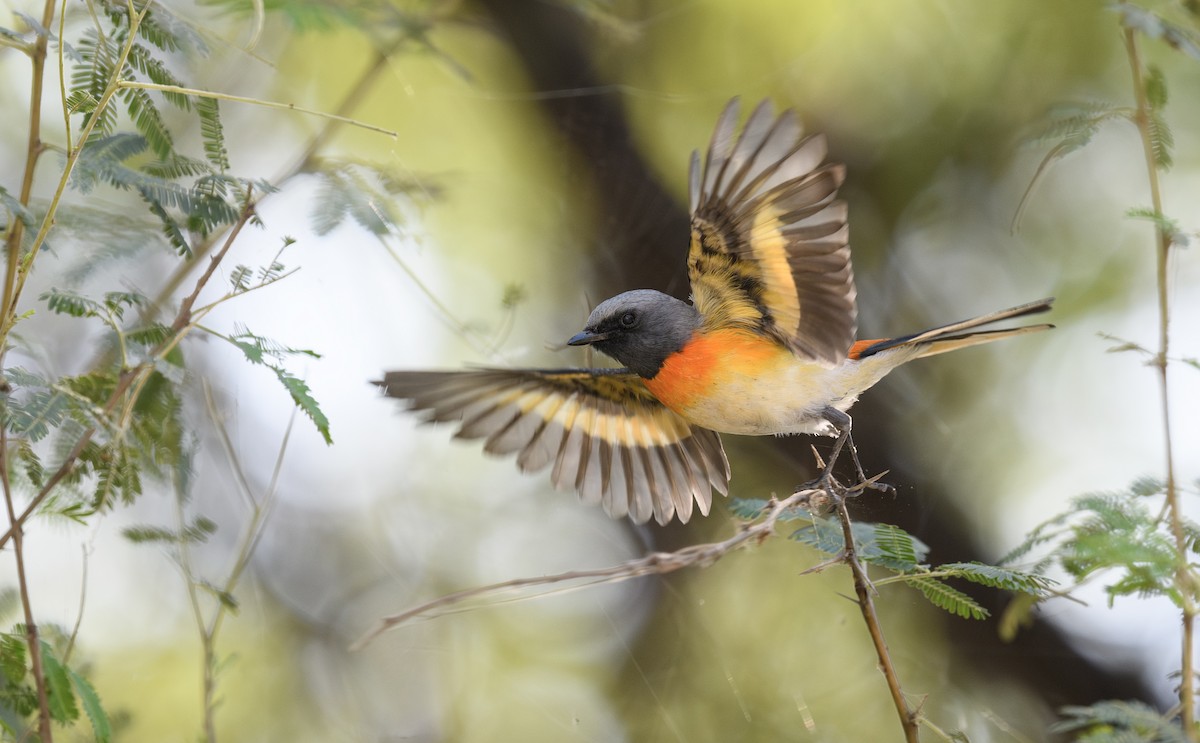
point(770, 244)
point(606, 436)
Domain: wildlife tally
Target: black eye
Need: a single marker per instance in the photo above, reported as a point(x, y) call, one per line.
point(629, 319)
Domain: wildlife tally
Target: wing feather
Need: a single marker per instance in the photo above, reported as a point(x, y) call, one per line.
point(770, 244)
point(600, 430)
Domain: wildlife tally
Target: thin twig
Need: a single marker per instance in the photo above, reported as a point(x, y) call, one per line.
point(655, 563)
point(185, 307)
point(260, 508)
point(83, 581)
point(33, 152)
point(257, 102)
point(863, 589)
point(45, 731)
point(16, 233)
point(1184, 579)
point(206, 646)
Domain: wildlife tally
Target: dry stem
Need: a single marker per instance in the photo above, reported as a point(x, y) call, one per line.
point(863, 589)
point(1184, 579)
point(656, 563)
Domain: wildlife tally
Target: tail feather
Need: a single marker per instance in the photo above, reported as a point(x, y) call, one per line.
point(951, 337)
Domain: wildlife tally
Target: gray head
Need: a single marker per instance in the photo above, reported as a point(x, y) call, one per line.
point(640, 329)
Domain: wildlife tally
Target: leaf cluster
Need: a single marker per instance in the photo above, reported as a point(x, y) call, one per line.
point(109, 469)
point(1119, 722)
point(366, 193)
point(268, 353)
point(893, 549)
point(1120, 535)
point(191, 197)
point(1071, 126)
point(68, 692)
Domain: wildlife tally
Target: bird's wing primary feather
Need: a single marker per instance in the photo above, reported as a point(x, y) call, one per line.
point(770, 244)
point(601, 430)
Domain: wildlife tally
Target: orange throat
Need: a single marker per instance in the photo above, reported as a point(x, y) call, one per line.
point(708, 362)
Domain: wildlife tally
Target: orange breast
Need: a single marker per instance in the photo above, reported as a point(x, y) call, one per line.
point(710, 361)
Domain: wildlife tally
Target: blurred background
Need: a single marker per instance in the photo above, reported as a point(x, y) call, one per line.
point(544, 147)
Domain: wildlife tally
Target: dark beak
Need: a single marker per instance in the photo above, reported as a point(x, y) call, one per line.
point(586, 338)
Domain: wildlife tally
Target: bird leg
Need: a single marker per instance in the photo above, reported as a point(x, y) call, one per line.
point(841, 423)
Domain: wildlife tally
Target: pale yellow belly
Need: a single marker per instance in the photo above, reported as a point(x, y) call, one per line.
point(740, 384)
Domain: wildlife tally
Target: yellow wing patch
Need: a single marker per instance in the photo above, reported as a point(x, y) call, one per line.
point(606, 436)
point(770, 245)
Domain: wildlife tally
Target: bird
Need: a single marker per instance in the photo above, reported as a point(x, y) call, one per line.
point(765, 346)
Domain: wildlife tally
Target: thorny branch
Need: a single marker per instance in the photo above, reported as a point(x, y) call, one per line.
point(818, 495)
point(864, 590)
point(655, 563)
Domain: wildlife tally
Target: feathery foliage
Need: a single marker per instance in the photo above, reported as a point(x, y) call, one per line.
point(268, 353)
point(1119, 535)
point(1119, 722)
point(366, 193)
point(893, 549)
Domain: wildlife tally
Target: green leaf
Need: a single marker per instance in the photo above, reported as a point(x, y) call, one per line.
point(13, 659)
point(1118, 721)
point(171, 229)
point(169, 32)
point(29, 464)
point(199, 530)
point(81, 101)
point(1017, 616)
point(149, 122)
point(101, 726)
point(240, 278)
point(1072, 125)
point(212, 132)
point(227, 599)
point(259, 350)
point(1156, 87)
point(365, 193)
point(945, 597)
point(196, 532)
point(1162, 141)
point(150, 534)
point(150, 335)
point(998, 577)
point(1147, 486)
point(91, 76)
point(58, 687)
point(118, 475)
point(304, 400)
point(891, 547)
point(116, 302)
point(748, 509)
point(144, 61)
point(64, 302)
point(825, 534)
point(35, 417)
point(17, 209)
